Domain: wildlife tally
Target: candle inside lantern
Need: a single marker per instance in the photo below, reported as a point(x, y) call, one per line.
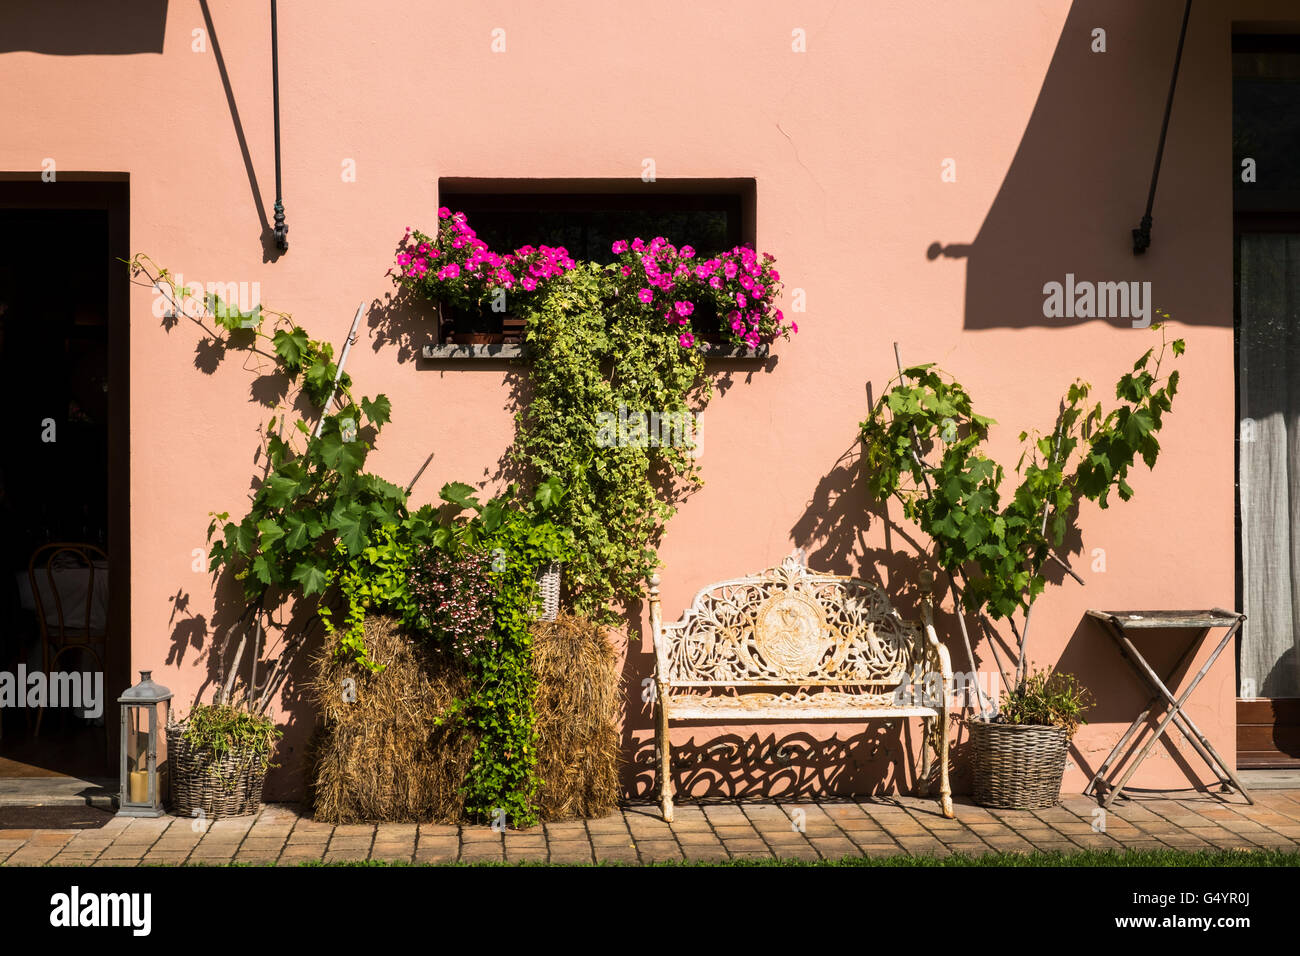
point(139, 786)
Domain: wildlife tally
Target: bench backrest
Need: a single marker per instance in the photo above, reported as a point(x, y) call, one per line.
point(785, 627)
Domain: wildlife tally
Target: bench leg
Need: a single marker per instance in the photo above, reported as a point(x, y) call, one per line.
point(945, 789)
point(665, 757)
point(927, 764)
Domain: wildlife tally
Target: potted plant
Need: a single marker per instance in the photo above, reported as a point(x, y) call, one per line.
point(476, 290)
point(219, 755)
point(922, 445)
point(1020, 753)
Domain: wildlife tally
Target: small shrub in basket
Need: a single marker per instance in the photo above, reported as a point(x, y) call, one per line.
point(1020, 753)
point(219, 756)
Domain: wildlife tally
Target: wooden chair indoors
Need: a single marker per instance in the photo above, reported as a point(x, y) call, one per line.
point(69, 588)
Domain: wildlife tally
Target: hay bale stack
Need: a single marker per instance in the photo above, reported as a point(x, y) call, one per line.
point(383, 757)
point(577, 718)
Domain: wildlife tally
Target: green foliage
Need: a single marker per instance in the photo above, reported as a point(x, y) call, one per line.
point(590, 356)
point(1047, 698)
point(224, 729)
point(523, 539)
point(375, 580)
point(952, 490)
point(318, 519)
point(315, 509)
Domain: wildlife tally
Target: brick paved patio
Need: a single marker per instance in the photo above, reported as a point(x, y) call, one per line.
point(715, 831)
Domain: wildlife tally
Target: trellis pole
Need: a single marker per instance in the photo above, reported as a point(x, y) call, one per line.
point(338, 374)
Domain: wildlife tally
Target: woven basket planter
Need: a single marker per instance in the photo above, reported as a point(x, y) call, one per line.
point(209, 786)
point(548, 591)
point(1018, 766)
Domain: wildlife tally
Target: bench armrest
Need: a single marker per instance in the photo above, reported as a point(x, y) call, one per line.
point(936, 654)
point(657, 633)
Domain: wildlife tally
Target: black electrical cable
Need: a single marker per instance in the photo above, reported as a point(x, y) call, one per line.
point(1142, 234)
point(281, 230)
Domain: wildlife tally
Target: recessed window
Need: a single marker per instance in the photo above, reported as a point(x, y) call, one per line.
point(586, 217)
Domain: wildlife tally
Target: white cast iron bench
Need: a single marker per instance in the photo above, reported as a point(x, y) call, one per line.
point(791, 645)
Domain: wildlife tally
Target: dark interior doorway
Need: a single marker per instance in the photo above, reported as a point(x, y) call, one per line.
point(64, 558)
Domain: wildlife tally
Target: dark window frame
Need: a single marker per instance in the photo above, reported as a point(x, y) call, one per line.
point(736, 197)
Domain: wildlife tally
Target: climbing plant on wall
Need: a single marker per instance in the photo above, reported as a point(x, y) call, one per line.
point(598, 367)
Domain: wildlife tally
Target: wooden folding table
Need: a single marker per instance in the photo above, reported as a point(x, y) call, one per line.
point(1118, 624)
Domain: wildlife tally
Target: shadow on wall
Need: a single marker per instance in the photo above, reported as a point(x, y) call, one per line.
point(1078, 183)
point(265, 233)
point(402, 320)
point(1074, 191)
point(75, 28)
point(214, 644)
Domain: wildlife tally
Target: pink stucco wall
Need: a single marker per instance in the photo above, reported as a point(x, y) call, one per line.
point(1052, 143)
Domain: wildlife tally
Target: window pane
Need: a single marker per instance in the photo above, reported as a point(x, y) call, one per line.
point(588, 226)
point(1266, 119)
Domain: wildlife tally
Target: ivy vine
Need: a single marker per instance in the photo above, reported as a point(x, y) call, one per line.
point(521, 537)
point(320, 526)
point(611, 414)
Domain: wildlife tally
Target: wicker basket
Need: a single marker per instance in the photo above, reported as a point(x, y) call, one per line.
point(205, 785)
point(1018, 766)
point(548, 591)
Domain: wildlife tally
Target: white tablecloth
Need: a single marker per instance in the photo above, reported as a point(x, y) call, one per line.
point(72, 585)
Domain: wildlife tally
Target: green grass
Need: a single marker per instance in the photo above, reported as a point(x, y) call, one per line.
point(1083, 858)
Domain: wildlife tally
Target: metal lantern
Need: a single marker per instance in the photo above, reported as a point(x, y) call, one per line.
point(145, 710)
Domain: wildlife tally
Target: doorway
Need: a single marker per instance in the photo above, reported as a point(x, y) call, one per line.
point(64, 524)
point(1266, 127)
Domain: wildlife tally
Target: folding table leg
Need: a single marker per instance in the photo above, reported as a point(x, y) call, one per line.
point(1181, 720)
point(1200, 743)
point(1168, 718)
point(1099, 778)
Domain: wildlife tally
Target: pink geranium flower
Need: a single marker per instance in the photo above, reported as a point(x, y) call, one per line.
point(686, 340)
